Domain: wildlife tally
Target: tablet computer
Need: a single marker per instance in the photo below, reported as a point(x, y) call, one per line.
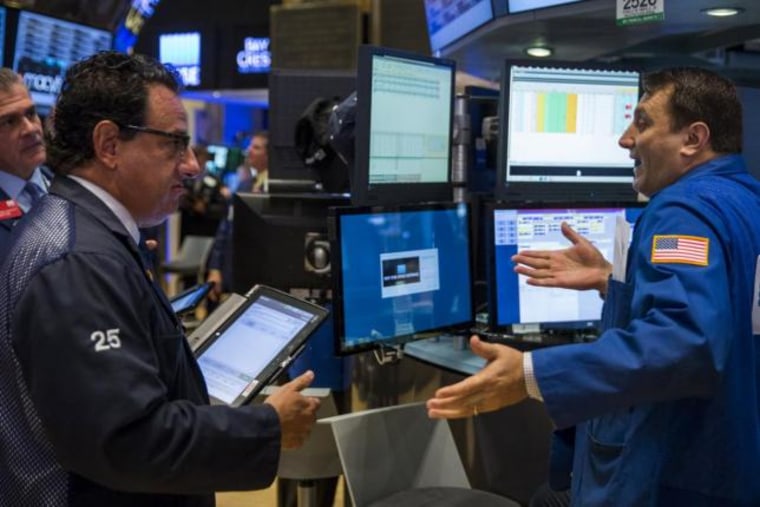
point(188, 300)
point(255, 344)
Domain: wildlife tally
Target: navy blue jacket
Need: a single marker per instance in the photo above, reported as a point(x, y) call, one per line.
point(102, 401)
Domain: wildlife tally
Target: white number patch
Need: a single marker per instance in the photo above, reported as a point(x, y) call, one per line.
point(106, 340)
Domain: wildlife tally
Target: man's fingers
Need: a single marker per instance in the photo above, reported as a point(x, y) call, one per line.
point(487, 351)
point(301, 382)
point(571, 234)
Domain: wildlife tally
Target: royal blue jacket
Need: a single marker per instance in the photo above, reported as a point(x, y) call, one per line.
point(102, 403)
point(667, 401)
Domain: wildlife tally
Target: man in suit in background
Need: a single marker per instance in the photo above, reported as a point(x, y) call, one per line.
point(22, 179)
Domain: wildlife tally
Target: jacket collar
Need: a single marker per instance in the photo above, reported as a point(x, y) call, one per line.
point(67, 188)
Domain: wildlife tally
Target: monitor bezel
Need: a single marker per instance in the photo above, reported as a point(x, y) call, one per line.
point(334, 233)
point(364, 193)
point(560, 327)
point(293, 215)
point(548, 191)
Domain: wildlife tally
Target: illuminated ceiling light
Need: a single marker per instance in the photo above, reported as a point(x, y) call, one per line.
point(721, 12)
point(539, 51)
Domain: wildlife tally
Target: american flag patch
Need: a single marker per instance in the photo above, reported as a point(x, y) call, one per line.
point(680, 250)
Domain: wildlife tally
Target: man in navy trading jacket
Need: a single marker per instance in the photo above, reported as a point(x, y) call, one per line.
point(102, 401)
point(22, 151)
point(666, 402)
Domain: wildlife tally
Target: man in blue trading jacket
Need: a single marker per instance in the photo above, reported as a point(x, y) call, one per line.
point(22, 151)
point(666, 402)
point(102, 401)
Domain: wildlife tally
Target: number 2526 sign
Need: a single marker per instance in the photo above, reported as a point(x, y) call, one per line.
point(632, 12)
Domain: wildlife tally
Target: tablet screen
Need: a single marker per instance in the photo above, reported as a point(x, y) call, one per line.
point(189, 299)
point(256, 344)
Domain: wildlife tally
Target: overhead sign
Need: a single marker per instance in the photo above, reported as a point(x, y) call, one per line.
point(255, 56)
point(634, 12)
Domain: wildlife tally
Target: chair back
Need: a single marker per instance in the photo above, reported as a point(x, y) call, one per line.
point(196, 249)
point(391, 449)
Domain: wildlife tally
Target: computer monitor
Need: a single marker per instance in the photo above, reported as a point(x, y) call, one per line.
point(404, 120)
point(448, 21)
point(46, 47)
point(515, 306)
point(559, 128)
point(280, 240)
point(399, 272)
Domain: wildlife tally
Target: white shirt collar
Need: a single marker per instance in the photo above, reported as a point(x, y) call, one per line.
point(115, 206)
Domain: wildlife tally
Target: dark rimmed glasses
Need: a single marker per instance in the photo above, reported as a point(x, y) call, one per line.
point(180, 142)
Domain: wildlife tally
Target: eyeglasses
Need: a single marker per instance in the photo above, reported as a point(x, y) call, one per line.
point(181, 142)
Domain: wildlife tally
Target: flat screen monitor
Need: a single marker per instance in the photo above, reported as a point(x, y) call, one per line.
point(46, 47)
point(404, 117)
point(448, 21)
point(559, 129)
point(280, 240)
point(518, 307)
point(399, 272)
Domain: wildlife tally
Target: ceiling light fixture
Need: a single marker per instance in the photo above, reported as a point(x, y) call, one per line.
point(721, 12)
point(539, 51)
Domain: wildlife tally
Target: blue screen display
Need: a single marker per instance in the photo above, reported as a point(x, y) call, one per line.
point(403, 272)
point(514, 229)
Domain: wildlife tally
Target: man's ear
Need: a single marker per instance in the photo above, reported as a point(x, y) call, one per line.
point(697, 139)
point(105, 142)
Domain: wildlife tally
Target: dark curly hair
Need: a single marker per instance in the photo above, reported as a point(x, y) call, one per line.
point(701, 95)
point(106, 86)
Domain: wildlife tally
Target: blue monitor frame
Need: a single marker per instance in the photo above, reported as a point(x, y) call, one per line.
point(511, 228)
point(399, 273)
